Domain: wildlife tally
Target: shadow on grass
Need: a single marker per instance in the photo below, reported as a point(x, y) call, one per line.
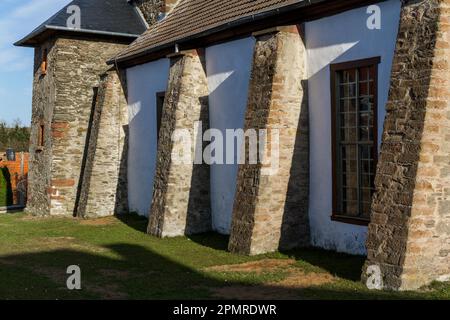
point(211, 240)
point(123, 271)
point(126, 271)
point(134, 221)
point(344, 266)
point(132, 271)
point(348, 267)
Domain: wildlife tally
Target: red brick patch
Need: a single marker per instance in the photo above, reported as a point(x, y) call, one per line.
point(63, 183)
point(59, 129)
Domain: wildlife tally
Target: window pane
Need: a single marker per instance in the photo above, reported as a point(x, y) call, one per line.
point(364, 119)
point(349, 152)
point(366, 210)
point(348, 90)
point(355, 135)
point(364, 74)
point(349, 75)
point(347, 105)
point(351, 208)
point(366, 103)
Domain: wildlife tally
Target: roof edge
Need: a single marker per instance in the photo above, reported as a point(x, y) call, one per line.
point(316, 7)
point(217, 29)
point(25, 41)
point(139, 13)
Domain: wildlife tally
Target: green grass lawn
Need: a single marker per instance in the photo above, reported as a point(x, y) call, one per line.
point(119, 261)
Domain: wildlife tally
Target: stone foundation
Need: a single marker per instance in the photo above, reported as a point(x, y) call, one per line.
point(181, 196)
point(271, 210)
point(409, 234)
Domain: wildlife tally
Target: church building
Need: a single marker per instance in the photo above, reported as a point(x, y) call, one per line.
point(352, 96)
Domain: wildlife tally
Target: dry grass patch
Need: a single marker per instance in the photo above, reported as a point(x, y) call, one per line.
point(99, 222)
point(103, 221)
point(287, 288)
point(298, 279)
point(62, 243)
point(261, 266)
point(30, 217)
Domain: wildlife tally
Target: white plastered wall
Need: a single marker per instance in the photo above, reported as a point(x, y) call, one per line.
point(144, 82)
point(341, 38)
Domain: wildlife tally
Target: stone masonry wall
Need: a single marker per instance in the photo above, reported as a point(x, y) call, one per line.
point(77, 65)
point(409, 234)
point(104, 184)
point(150, 9)
point(169, 5)
point(271, 210)
point(181, 196)
point(44, 94)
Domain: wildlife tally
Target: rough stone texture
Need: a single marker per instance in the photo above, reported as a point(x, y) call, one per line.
point(44, 95)
point(104, 184)
point(169, 5)
point(271, 211)
point(63, 103)
point(409, 234)
point(181, 196)
point(150, 9)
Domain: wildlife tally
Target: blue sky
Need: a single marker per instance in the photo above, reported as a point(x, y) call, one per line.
point(17, 19)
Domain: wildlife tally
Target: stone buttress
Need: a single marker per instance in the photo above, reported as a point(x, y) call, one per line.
point(103, 191)
point(409, 235)
point(181, 196)
point(271, 202)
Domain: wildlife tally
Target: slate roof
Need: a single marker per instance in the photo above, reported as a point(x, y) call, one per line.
point(104, 17)
point(191, 17)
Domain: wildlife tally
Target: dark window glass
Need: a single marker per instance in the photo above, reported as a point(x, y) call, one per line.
point(159, 110)
point(41, 135)
point(355, 145)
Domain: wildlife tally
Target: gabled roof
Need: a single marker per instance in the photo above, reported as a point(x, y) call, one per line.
point(191, 17)
point(115, 18)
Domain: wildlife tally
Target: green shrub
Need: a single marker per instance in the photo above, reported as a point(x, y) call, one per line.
point(6, 195)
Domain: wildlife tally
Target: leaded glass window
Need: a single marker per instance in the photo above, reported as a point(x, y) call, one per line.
point(355, 137)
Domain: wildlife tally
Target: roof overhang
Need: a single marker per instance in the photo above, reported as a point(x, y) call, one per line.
point(297, 13)
point(44, 32)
